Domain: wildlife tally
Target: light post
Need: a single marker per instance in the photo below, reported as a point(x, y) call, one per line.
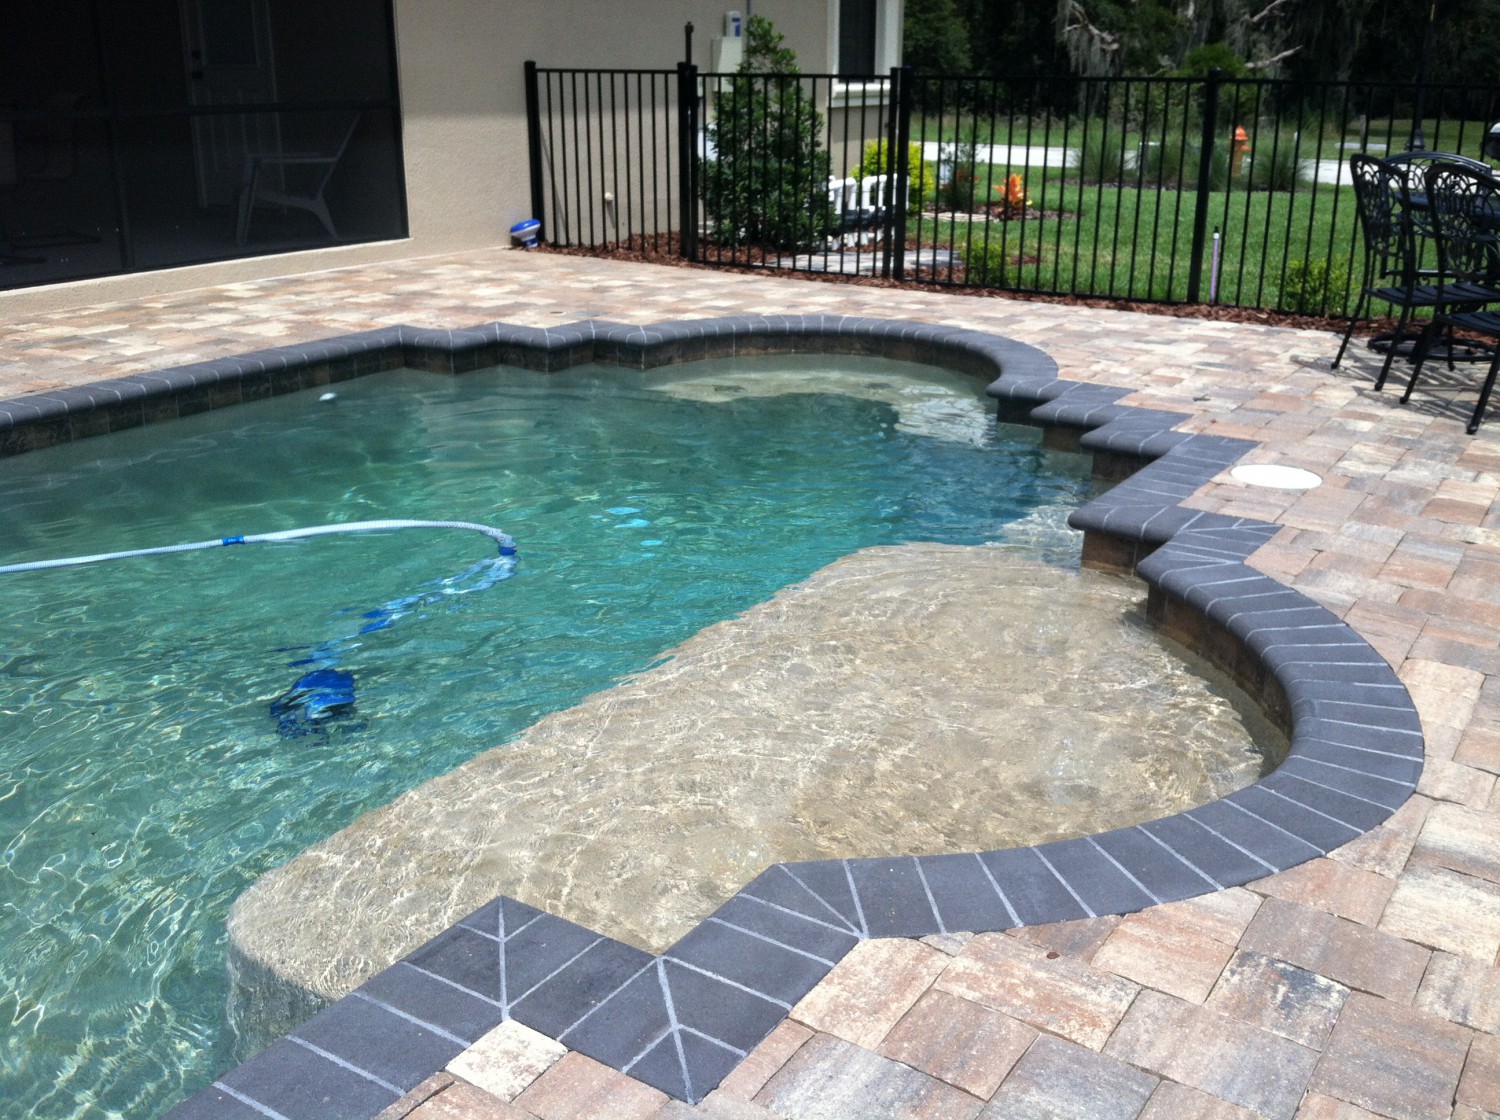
point(1418, 142)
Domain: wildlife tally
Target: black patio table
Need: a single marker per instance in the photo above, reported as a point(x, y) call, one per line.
point(1414, 167)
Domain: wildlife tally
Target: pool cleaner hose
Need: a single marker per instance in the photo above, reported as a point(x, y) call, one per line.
point(502, 540)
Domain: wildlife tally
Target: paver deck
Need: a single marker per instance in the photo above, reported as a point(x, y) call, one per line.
point(1363, 984)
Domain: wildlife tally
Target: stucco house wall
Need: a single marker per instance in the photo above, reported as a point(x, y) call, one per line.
point(460, 65)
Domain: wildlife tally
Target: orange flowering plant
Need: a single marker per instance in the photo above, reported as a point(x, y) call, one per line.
point(1013, 195)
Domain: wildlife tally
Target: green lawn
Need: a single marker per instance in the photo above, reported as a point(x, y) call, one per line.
point(1384, 134)
point(1288, 250)
point(1091, 239)
point(1462, 137)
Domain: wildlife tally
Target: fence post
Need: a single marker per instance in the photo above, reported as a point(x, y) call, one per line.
point(534, 148)
point(687, 160)
point(894, 265)
point(1205, 173)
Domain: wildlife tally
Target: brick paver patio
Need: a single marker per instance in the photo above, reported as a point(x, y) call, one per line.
point(1360, 985)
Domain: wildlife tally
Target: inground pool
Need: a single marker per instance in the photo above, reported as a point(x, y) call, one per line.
point(145, 775)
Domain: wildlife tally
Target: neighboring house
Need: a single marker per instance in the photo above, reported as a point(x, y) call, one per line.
point(129, 161)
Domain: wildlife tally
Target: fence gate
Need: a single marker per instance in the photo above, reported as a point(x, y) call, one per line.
point(803, 171)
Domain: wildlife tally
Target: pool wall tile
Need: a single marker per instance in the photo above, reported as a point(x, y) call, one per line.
point(1271, 846)
point(528, 954)
point(1374, 684)
point(626, 1023)
point(708, 1062)
point(683, 1020)
point(567, 995)
point(1340, 805)
point(714, 1008)
point(814, 936)
point(216, 1103)
point(1407, 744)
point(465, 959)
point(779, 888)
point(1386, 791)
point(1359, 762)
point(1208, 853)
point(664, 1066)
point(1388, 715)
point(769, 968)
point(1320, 831)
point(821, 890)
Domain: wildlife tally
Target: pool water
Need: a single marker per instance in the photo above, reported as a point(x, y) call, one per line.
point(144, 781)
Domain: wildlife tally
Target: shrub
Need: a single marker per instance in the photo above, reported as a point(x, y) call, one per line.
point(1173, 162)
point(1100, 154)
point(957, 194)
point(985, 262)
point(1315, 287)
point(958, 176)
point(768, 184)
point(1276, 167)
point(877, 161)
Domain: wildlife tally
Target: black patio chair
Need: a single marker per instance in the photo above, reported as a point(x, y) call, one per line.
point(1465, 208)
point(1391, 273)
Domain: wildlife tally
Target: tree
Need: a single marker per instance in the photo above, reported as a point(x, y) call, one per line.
point(1312, 40)
point(1463, 47)
point(767, 182)
point(1013, 39)
point(1113, 37)
point(935, 39)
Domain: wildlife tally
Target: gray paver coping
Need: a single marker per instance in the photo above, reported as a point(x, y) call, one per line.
point(683, 1020)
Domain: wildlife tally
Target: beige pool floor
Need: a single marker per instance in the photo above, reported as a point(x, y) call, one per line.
point(1360, 985)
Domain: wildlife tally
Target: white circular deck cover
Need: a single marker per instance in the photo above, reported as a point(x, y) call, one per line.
point(1275, 476)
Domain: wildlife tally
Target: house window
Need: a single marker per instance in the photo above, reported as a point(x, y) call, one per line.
point(121, 149)
point(857, 37)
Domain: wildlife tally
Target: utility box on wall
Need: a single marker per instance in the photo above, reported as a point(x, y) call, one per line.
point(726, 52)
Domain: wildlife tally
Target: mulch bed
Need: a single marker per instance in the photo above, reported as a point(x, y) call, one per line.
point(664, 251)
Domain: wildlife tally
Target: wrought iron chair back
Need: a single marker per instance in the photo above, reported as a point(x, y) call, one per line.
point(1391, 270)
point(1413, 168)
point(1383, 202)
point(1464, 205)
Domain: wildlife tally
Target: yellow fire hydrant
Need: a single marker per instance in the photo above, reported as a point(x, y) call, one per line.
point(1237, 148)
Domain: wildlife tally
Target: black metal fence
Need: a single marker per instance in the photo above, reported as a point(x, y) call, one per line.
point(1178, 190)
point(606, 158)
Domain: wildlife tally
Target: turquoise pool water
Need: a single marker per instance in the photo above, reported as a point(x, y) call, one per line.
point(143, 781)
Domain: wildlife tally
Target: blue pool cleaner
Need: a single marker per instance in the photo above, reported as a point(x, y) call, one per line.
point(324, 696)
point(316, 698)
point(326, 693)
